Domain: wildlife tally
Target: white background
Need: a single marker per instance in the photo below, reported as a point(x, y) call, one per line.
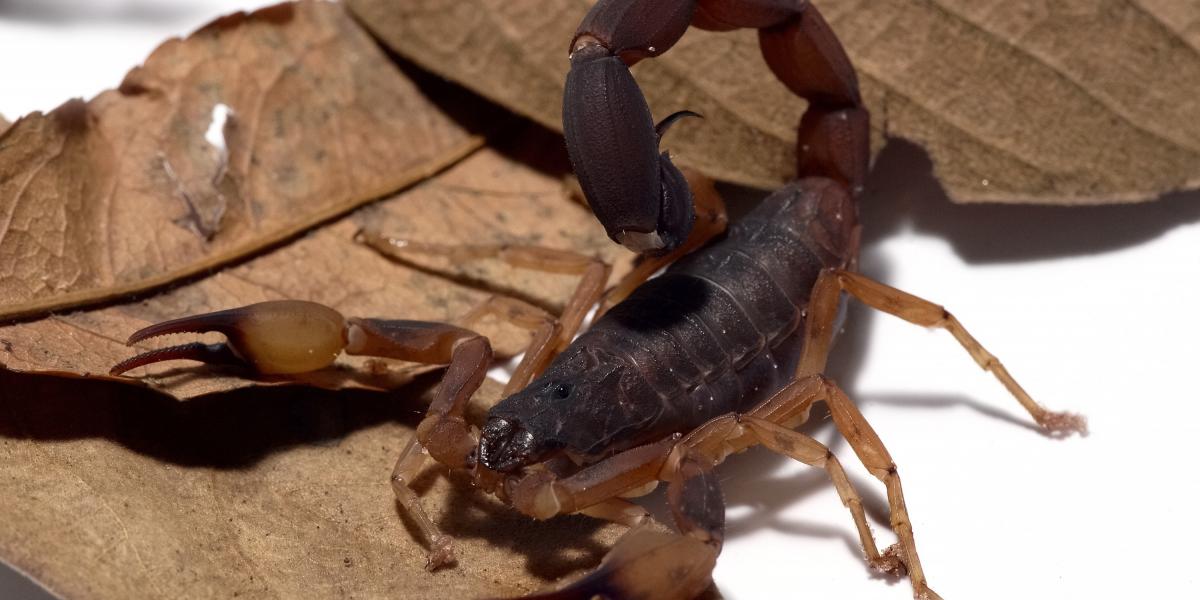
point(1092, 309)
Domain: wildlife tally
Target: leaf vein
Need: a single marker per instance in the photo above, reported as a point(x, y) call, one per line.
point(1111, 105)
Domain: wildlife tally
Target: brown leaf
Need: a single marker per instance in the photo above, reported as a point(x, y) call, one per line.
point(126, 192)
point(278, 493)
point(1180, 16)
point(486, 199)
point(117, 491)
point(1027, 101)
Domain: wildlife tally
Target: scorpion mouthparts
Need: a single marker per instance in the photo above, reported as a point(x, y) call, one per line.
point(503, 445)
point(207, 353)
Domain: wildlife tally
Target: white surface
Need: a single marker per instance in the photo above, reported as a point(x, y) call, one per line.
point(1093, 310)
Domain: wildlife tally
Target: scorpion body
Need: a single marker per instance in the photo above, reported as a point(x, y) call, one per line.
point(724, 351)
point(717, 333)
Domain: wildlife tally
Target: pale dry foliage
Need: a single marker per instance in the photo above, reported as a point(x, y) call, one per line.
point(188, 481)
point(1080, 102)
point(114, 196)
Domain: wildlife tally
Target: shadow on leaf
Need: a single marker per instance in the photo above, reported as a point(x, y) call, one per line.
point(227, 430)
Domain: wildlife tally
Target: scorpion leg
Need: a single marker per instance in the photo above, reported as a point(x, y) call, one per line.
point(444, 427)
point(617, 510)
point(645, 563)
point(813, 453)
point(592, 271)
point(292, 336)
point(444, 433)
point(769, 424)
point(544, 328)
point(873, 455)
point(823, 307)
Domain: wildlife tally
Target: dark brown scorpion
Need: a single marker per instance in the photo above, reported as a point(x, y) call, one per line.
point(724, 351)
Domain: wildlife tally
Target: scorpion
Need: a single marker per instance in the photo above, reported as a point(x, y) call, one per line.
point(724, 350)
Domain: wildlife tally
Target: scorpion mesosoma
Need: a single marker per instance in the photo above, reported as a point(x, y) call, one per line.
point(724, 351)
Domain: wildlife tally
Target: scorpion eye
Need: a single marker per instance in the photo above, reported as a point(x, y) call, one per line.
point(562, 391)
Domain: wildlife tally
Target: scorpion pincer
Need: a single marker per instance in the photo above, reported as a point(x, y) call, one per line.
point(724, 351)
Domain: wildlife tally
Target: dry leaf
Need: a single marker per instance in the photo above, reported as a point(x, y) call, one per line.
point(278, 493)
point(118, 491)
point(133, 189)
point(485, 199)
point(1180, 16)
point(1029, 101)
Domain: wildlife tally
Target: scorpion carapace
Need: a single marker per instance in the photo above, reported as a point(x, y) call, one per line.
point(724, 351)
point(715, 334)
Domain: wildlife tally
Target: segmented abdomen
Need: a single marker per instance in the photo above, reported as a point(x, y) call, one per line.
point(720, 330)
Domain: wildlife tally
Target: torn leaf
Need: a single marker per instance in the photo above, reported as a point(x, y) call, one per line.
point(252, 129)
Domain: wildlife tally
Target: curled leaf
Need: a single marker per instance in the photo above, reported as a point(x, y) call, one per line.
point(1027, 101)
point(252, 129)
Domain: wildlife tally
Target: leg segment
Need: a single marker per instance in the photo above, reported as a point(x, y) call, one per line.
point(544, 329)
point(822, 312)
point(617, 510)
point(645, 563)
point(875, 458)
point(408, 466)
point(769, 423)
point(550, 335)
point(542, 495)
point(443, 433)
point(813, 453)
point(695, 498)
point(593, 274)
